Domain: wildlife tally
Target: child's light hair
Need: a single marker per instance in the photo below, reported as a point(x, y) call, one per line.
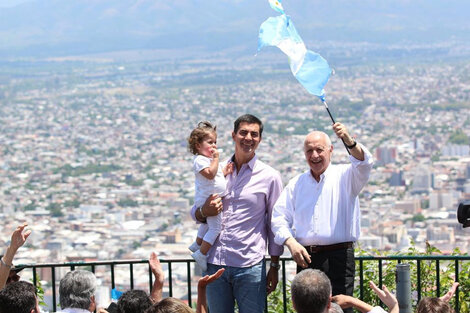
point(197, 135)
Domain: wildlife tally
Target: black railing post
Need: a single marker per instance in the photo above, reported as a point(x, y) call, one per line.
point(188, 268)
point(170, 280)
point(418, 277)
point(112, 276)
point(150, 278)
point(438, 279)
point(380, 273)
point(131, 269)
point(284, 287)
point(35, 281)
point(361, 279)
point(457, 306)
point(54, 296)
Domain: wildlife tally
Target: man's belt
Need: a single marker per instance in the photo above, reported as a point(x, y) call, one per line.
point(336, 246)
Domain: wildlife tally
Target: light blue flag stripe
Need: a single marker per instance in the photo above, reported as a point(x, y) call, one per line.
point(310, 69)
point(314, 74)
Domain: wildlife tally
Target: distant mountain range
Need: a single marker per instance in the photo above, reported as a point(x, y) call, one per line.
point(66, 27)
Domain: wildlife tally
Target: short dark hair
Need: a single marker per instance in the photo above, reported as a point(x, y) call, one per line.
point(433, 305)
point(133, 301)
point(250, 119)
point(311, 291)
point(18, 297)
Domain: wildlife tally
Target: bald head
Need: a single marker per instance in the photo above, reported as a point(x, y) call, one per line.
point(319, 136)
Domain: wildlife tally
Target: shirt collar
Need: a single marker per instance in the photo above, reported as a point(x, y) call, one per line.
point(323, 175)
point(250, 164)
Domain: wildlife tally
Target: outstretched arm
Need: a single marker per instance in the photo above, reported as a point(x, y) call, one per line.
point(201, 290)
point(450, 293)
point(386, 296)
point(345, 302)
point(18, 238)
point(156, 267)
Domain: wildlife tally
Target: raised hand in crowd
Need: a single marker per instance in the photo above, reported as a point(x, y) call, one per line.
point(18, 238)
point(201, 290)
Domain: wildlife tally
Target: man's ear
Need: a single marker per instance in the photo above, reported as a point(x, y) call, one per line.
point(329, 301)
point(233, 135)
point(92, 307)
point(293, 304)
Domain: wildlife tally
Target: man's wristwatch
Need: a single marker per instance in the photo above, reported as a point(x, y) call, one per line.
point(275, 265)
point(352, 146)
point(202, 213)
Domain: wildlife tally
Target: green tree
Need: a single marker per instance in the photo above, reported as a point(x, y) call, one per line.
point(458, 137)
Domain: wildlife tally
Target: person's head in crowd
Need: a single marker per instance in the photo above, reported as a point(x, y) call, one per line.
point(170, 305)
point(19, 297)
point(77, 290)
point(133, 301)
point(433, 305)
point(311, 292)
point(335, 308)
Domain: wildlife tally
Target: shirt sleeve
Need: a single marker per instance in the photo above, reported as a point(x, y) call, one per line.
point(274, 248)
point(377, 309)
point(360, 171)
point(193, 213)
point(283, 215)
point(201, 162)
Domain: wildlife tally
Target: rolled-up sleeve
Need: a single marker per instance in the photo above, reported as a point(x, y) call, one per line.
point(361, 171)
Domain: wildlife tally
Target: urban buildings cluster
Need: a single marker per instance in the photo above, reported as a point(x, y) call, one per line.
point(93, 155)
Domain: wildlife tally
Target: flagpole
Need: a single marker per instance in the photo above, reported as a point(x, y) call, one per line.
point(333, 120)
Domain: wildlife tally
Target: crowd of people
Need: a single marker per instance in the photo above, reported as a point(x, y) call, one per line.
point(244, 212)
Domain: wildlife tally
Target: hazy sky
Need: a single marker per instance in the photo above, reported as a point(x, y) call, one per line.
point(11, 3)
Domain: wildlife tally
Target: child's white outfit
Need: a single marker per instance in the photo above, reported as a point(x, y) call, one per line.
point(204, 188)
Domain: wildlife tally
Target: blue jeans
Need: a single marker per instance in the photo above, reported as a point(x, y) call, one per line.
point(246, 285)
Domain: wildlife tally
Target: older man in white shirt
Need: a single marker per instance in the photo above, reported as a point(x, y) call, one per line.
point(317, 215)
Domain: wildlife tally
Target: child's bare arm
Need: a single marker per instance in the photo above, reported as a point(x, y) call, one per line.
point(211, 171)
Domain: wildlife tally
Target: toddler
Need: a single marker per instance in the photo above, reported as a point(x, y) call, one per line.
point(210, 179)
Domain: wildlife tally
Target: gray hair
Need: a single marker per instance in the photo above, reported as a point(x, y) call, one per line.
point(335, 308)
point(311, 291)
point(76, 289)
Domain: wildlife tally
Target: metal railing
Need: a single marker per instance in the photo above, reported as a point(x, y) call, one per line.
point(360, 260)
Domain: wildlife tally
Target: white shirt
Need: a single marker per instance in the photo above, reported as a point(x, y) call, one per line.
point(324, 212)
point(73, 310)
point(205, 187)
point(377, 309)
